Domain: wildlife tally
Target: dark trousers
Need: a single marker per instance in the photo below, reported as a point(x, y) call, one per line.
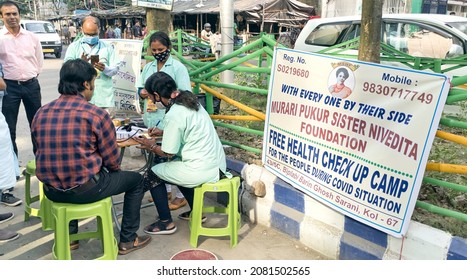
point(159, 195)
point(30, 94)
point(108, 184)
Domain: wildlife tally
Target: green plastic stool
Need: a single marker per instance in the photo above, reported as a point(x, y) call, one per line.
point(45, 209)
point(63, 213)
point(225, 185)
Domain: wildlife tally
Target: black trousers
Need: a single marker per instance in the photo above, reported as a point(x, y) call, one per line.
point(30, 94)
point(107, 184)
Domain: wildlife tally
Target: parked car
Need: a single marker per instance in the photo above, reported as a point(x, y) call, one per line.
point(420, 35)
point(48, 35)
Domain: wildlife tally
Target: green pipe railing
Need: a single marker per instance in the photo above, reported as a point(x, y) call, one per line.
point(453, 123)
point(239, 128)
point(441, 211)
point(444, 184)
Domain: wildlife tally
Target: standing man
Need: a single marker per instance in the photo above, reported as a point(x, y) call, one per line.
point(137, 30)
point(22, 59)
point(89, 45)
point(118, 31)
point(72, 31)
point(66, 34)
point(8, 160)
point(87, 168)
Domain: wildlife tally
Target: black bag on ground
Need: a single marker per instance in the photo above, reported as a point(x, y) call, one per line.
point(216, 103)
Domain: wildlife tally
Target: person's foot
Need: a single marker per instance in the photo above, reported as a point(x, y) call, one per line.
point(177, 203)
point(128, 247)
point(161, 228)
point(10, 200)
point(74, 245)
point(6, 217)
point(6, 235)
point(186, 216)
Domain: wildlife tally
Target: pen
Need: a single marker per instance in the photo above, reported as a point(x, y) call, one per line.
point(158, 123)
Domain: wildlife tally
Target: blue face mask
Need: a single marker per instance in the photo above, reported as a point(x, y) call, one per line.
point(91, 40)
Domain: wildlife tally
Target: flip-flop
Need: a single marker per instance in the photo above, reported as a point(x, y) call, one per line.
point(160, 228)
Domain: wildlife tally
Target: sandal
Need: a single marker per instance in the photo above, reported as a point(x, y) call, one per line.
point(160, 228)
point(128, 247)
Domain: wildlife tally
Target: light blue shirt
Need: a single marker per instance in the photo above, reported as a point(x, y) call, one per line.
point(118, 32)
point(190, 135)
point(103, 96)
point(174, 69)
point(8, 159)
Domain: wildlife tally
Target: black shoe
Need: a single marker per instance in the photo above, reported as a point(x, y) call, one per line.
point(10, 200)
point(74, 245)
point(6, 217)
point(186, 216)
point(6, 235)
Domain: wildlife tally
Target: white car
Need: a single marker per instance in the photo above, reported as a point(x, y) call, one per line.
point(48, 35)
point(419, 35)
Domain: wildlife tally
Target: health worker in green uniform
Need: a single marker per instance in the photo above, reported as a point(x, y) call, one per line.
point(191, 143)
point(107, 65)
point(160, 46)
point(153, 114)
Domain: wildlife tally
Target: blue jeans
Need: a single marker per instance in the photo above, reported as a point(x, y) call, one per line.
point(108, 184)
point(30, 95)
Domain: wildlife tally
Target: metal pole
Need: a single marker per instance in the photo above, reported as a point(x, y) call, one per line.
point(227, 36)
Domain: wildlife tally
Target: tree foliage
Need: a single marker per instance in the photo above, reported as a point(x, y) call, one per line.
point(95, 4)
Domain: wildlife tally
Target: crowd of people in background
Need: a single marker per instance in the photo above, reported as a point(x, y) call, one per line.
point(70, 30)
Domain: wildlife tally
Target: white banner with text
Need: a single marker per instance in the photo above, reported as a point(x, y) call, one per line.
point(354, 135)
point(128, 54)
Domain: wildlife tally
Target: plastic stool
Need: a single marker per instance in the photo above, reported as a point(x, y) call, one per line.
point(63, 213)
point(45, 209)
point(225, 185)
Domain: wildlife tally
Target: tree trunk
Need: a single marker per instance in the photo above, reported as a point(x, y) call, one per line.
point(370, 35)
point(160, 20)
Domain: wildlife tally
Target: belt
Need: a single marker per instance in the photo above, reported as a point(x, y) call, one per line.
point(76, 189)
point(22, 82)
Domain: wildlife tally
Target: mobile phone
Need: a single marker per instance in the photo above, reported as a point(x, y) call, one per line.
point(94, 59)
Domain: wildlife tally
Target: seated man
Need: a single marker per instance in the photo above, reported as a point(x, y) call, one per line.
point(77, 155)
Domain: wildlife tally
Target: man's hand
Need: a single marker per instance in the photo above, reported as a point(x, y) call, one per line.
point(85, 57)
point(99, 66)
point(144, 143)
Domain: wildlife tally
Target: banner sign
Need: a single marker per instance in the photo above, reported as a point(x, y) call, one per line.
point(128, 54)
point(155, 4)
point(354, 135)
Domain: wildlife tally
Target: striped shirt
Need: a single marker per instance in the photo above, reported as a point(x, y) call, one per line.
point(75, 139)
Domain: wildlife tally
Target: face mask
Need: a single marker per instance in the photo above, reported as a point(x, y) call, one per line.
point(162, 56)
point(160, 105)
point(91, 40)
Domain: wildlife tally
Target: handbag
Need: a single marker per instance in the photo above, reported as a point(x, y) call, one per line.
point(150, 180)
